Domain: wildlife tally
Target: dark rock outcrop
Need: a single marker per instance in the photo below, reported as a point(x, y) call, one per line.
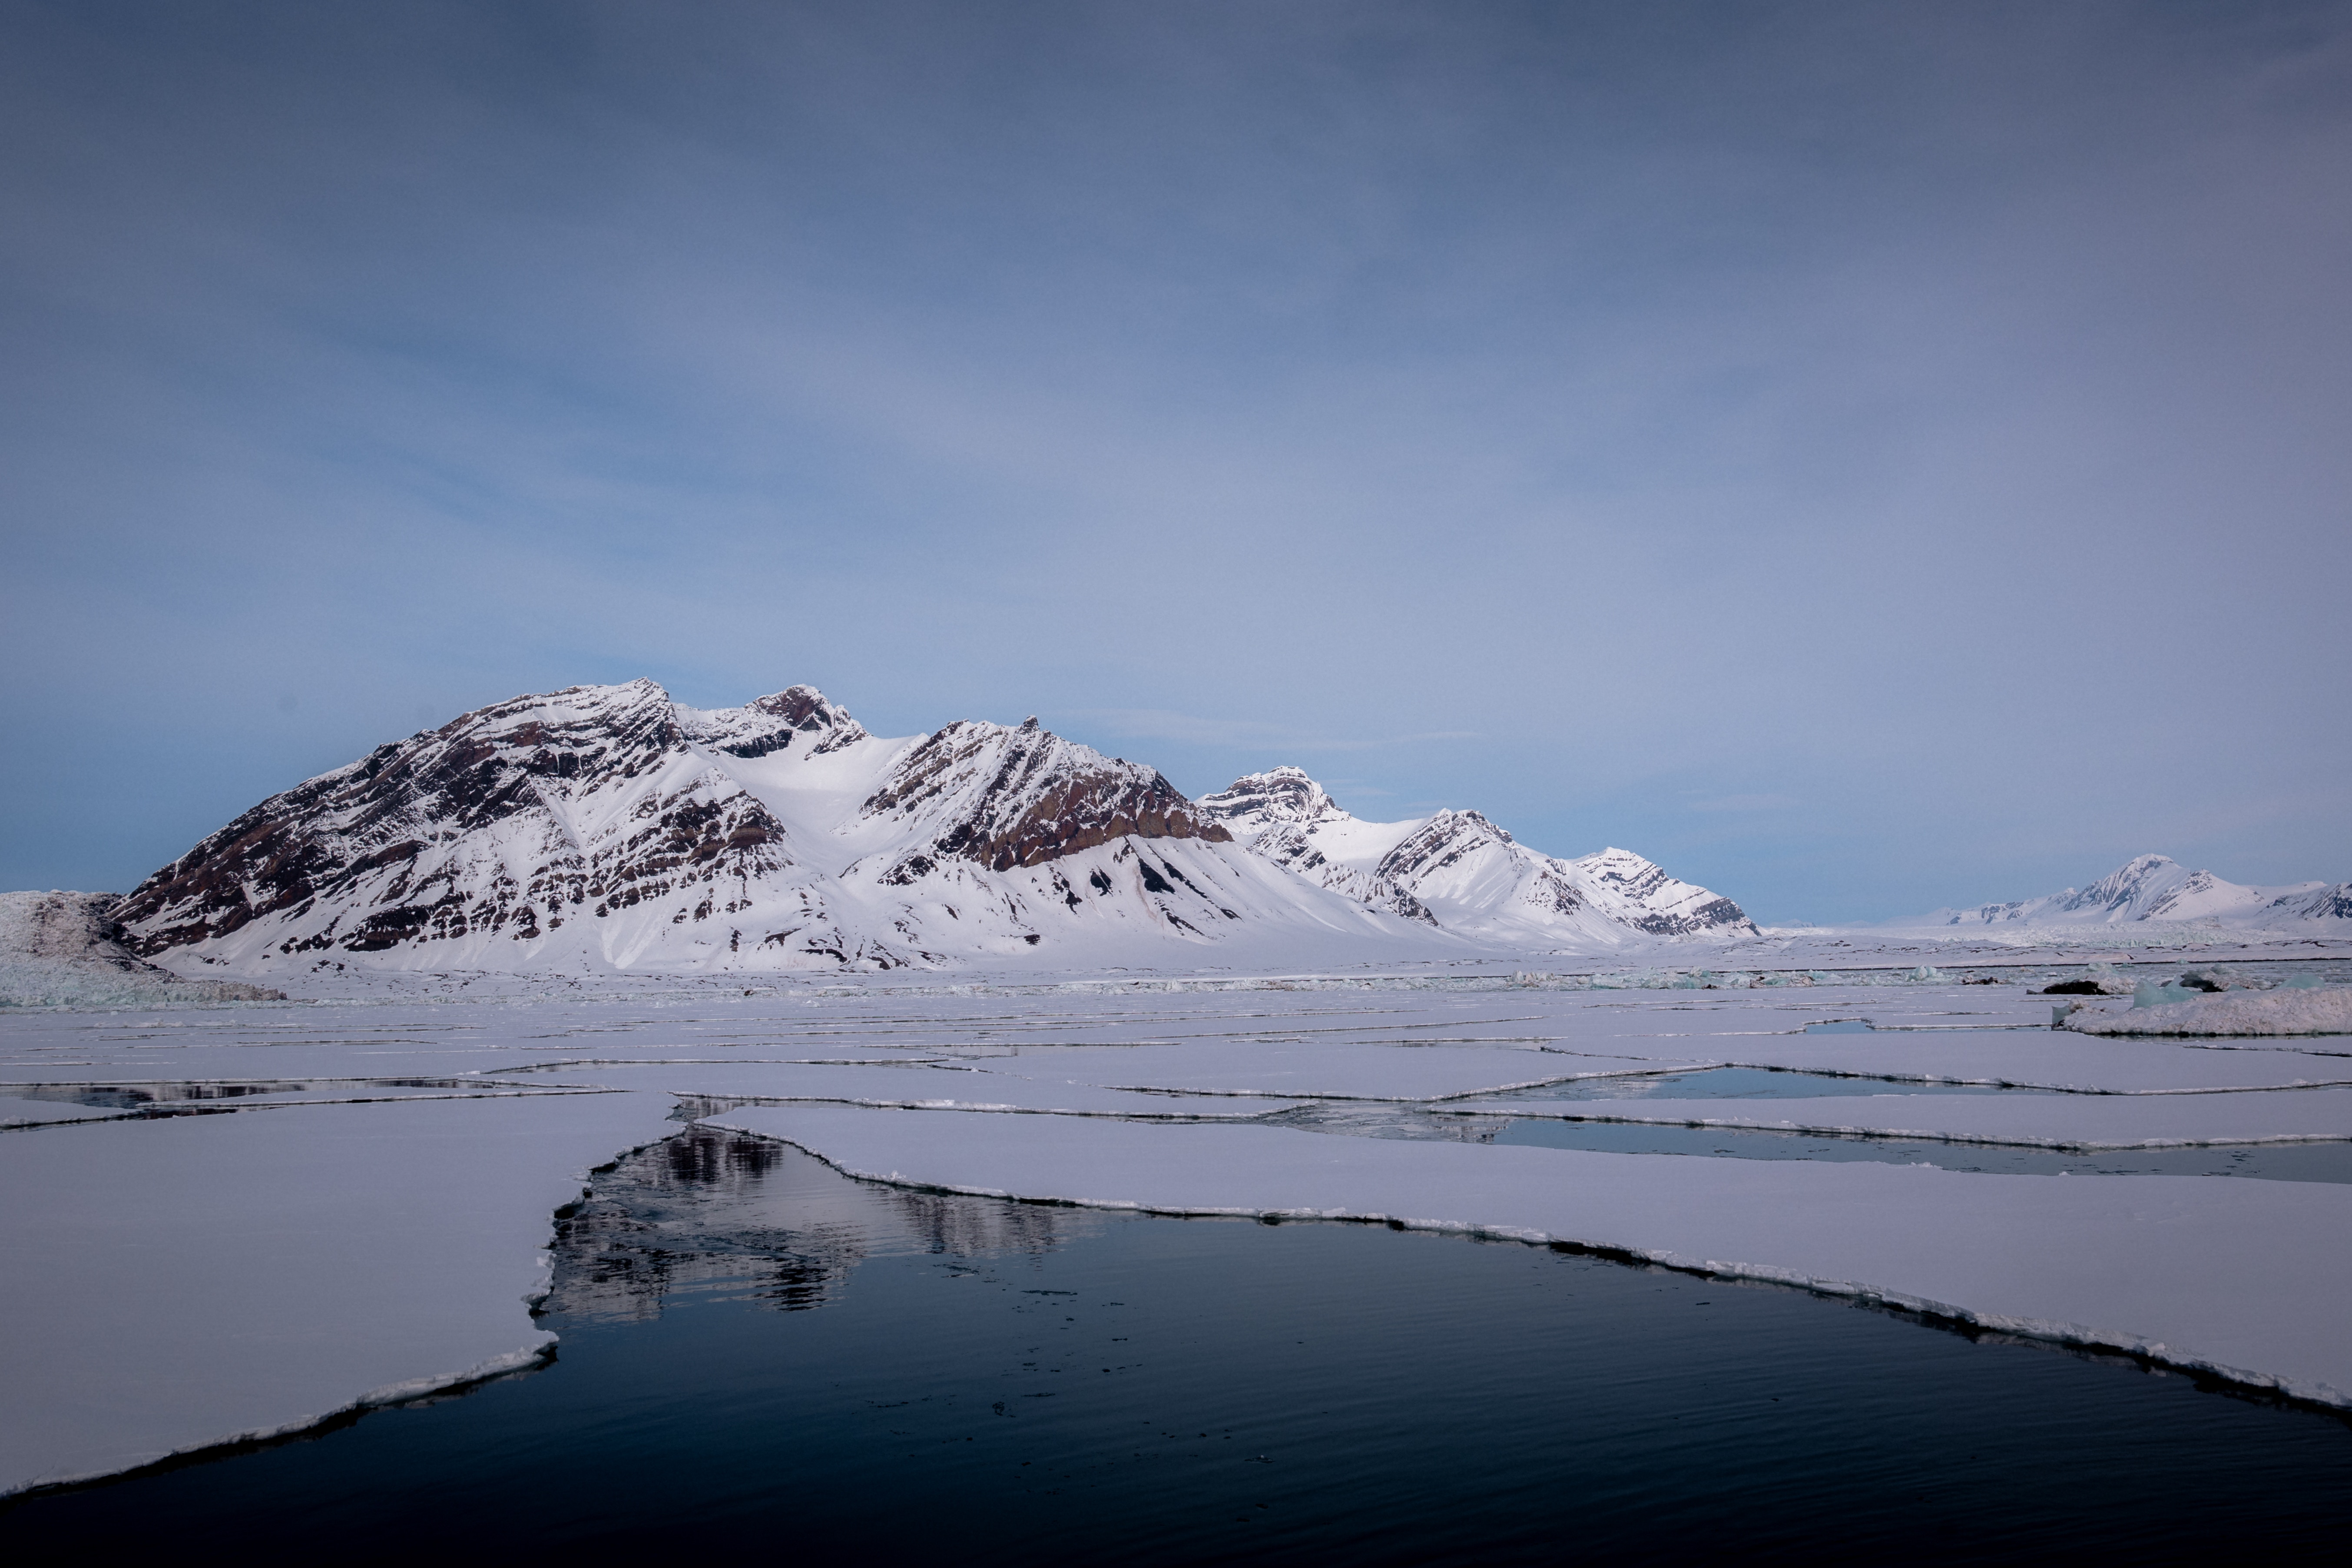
point(475, 827)
point(1006, 797)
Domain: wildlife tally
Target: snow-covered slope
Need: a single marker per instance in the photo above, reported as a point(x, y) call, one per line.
point(2154, 891)
point(606, 827)
point(1459, 872)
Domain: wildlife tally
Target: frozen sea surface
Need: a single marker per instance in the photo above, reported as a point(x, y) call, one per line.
point(230, 1221)
point(762, 1357)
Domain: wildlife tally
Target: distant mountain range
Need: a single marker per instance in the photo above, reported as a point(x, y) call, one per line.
point(2152, 889)
point(608, 826)
point(1459, 872)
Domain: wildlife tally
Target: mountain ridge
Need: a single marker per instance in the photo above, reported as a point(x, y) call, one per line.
point(610, 826)
point(1458, 870)
point(2155, 891)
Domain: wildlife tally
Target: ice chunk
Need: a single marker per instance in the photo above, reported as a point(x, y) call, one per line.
point(2289, 1010)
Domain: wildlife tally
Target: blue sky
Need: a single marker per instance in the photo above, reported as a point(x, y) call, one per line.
point(1864, 457)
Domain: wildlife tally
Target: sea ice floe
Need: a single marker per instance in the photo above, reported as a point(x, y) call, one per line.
point(2242, 1279)
point(2028, 1058)
point(2072, 1121)
point(2289, 1011)
point(176, 1284)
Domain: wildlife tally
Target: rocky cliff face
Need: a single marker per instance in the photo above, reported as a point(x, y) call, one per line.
point(507, 822)
point(1007, 797)
point(1280, 797)
point(1460, 872)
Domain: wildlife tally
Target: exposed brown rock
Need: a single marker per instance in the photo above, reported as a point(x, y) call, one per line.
point(330, 842)
point(1024, 796)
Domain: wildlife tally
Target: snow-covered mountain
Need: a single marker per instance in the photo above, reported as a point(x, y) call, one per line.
point(1458, 872)
point(2155, 890)
point(608, 826)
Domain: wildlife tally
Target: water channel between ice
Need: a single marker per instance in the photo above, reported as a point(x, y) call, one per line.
point(2314, 1162)
point(760, 1354)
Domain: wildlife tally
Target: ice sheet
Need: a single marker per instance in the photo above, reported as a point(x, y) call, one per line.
point(2245, 1279)
point(178, 1283)
point(2031, 1121)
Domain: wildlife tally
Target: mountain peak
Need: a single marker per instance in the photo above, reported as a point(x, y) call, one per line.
point(772, 723)
point(2134, 884)
point(1283, 796)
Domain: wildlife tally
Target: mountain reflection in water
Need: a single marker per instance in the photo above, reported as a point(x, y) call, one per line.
point(738, 1217)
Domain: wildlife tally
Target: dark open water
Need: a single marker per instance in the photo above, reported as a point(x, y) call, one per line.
point(761, 1357)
